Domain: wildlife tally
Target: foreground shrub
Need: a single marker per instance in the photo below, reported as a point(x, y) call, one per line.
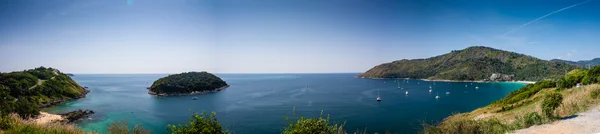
point(532, 119)
point(199, 124)
point(313, 126)
point(551, 102)
point(123, 128)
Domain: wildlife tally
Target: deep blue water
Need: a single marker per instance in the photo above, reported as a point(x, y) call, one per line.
point(257, 103)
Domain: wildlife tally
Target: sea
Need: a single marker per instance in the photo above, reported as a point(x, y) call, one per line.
point(260, 103)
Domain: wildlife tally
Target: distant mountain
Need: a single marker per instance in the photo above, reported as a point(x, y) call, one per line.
point(472, 63)
point(581, 63)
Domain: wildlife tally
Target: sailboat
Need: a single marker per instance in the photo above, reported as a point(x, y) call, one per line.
point(378, 98)
point(437, 96)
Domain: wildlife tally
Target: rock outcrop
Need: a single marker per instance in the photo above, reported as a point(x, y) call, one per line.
point(501, 77)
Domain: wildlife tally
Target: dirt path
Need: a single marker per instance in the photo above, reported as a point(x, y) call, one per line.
point(585, 123)
point(39, 82)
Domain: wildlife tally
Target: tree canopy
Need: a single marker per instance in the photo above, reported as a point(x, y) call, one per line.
point(187, 82)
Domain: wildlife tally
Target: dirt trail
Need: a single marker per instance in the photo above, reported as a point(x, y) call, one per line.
point(584, 123)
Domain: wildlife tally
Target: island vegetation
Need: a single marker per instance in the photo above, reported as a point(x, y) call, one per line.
point(25, 92)
point(543, 102)
point(187, 83)
point(472, 64)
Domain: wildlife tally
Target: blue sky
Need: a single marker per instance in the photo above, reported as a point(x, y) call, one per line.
point(282, 36)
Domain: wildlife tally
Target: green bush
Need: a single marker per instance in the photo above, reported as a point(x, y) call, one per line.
point(123, 128)
point(313, 126)
point(532, 119)
point(551, 102)
point(594, 93)
point(199, 124)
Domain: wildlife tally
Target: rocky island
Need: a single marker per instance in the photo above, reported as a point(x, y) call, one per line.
point(188, 83)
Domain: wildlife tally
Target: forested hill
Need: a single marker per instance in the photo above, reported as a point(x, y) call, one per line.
point(25, 91)
point(472, 63)
point(185, 83)
point(581, 63)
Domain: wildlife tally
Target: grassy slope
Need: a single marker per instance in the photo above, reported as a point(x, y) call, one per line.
point(575, 100)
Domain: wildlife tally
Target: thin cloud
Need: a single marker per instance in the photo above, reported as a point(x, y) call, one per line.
point(551, 13)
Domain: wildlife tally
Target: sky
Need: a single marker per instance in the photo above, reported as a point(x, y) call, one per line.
point(282, 36)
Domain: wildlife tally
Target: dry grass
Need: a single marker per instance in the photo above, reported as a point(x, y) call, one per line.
point(578, 100)
point(13, 124)
point(491, 119)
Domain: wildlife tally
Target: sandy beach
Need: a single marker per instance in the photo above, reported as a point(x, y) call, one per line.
point(45, 118)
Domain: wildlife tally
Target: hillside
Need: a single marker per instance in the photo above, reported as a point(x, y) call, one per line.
point(187, 83)
point(24, 92)
point(473, 63)
point(581, 63)
point(543, 102)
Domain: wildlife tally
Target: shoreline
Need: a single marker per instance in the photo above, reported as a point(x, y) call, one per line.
point(45, 118)
point(438, 80)
point(192, 93)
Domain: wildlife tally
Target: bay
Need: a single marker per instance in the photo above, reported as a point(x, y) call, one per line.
point(258, 103)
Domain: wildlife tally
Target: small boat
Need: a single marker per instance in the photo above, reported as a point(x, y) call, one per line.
point(378, 98)
point(447, 92)
point(465, 85)
point(430, 90)
point(429, 86)
point(195, 98)
point(437, 96)
point(86, 87)
point(476, 87)
point(406, 92)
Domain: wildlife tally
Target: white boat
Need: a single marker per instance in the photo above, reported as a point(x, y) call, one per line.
point(429, 86)
point(476, 87)
point(195, 98)
point(465, 85)
point(430, 90)
point(378, 98)
point(406, 92)
point(447, 92)
point(437, 96)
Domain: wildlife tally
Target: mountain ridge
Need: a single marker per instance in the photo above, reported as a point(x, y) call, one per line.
point(581, 63)
point(472, 63)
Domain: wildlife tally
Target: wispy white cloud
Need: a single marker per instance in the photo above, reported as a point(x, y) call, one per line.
point(542, 17)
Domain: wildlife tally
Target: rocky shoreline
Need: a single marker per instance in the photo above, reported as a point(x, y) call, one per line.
point(56, 102)
point(76, 115)
point(192, 93)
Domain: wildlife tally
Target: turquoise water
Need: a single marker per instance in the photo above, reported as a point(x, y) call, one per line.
point(257, 103)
